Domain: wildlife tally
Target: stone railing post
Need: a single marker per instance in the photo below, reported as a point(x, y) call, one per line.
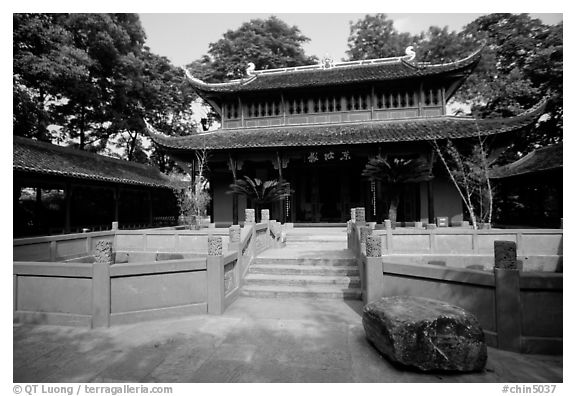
point(234, 237)
point(250, 216)
point(361, 215)
point(373, 275)
point(215, 276)
point(365, 231)
point(101, 297)
point(264, 215)
point(114, 226)
point(507, 296)
point(388, 224)
point(353, 215)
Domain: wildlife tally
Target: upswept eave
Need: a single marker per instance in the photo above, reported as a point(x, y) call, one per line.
point(399, 130)
point(540, 160)
point(373, 70)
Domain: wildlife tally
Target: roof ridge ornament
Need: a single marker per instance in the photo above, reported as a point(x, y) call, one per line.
point(410, 53)
point(327, 62)
point(250, 69)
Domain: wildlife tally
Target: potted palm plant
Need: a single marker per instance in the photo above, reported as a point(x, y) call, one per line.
point(260, 193)
point(393, 172)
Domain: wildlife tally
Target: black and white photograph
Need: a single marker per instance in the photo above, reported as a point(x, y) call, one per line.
point(301, 197)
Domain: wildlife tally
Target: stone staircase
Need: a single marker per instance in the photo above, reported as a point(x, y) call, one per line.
point(315, 263)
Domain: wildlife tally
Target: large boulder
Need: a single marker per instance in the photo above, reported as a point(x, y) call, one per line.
point(425, 334)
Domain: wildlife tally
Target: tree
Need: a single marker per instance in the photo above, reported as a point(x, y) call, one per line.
point(193, 200)
point(393, 172)
point(468, 168)
point(157, 91)
point(439, 45)
point(522, 62)
point(91, 76)
point(113, 43)
point(376, 37)
point(268, 43)
point(261, 193)
point(45, 62)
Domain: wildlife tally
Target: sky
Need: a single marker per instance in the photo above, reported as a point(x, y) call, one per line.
point(184, 37)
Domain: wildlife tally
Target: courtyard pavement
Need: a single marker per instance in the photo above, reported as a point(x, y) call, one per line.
point(256, 340)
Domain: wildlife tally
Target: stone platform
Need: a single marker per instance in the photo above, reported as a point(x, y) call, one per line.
point(256, 340)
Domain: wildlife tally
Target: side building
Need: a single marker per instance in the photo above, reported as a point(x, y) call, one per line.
point(317, 126)
point(62, 190)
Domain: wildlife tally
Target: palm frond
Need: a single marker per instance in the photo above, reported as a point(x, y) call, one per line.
point(397, 169)
point(261, 192)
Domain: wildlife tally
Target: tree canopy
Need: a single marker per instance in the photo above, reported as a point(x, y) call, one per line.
point(522, 63)
point(90, 77)
point(375, 36)
point(268, 43)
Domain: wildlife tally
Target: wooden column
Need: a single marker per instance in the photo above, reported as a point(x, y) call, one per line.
point(16, 192)
point(280, 179)
point(283, 109)
point(232, 165)
point(150, 208)
point(431, 215)
point(241, 110)
point(420, 100)
point(68, 207)
point(234, 208)
point(372, 103)
point(38, 207)
point(116, 193)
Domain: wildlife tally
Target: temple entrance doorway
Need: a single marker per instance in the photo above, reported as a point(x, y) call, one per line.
point(324, 193)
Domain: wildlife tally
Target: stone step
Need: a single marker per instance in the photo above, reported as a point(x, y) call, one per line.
point(302, 280)
point(265, 291)
point(291, 269)
point(313, 239)
point(306, 261)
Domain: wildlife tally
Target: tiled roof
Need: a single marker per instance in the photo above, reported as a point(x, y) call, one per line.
point(542, 159)
point(49, 159)
point(402, 130)
point(349, 72)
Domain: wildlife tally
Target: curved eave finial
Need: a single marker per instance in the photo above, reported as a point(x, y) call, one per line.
point(410, 54)
point(250, 69)
point(471, 59)
point(527, 117)
point(158, 137)
point(152, 132)
point(193, 79)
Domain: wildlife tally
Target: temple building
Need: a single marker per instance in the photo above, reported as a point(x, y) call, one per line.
point(317, 126)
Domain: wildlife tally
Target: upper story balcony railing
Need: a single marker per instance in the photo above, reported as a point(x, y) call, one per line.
point(332, 108)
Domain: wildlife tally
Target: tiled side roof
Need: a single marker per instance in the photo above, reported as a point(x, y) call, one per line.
point(542, 159)
point(393, 70)
point(49, 159)
point(404, 130)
